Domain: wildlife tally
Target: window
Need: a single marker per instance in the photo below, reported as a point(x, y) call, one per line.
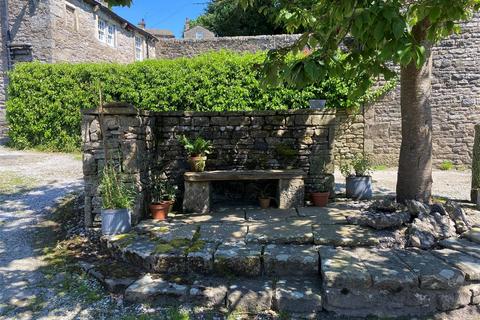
point(111, 35)
point(71, 18)
point(199, 35)
point(106, 32)
point(138, 48)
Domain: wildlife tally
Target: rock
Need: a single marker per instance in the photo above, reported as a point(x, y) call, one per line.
point(458, 216)
point(454, 299)
point(384, 205)
point(270, 214)
point(200, 257)
point(427, 229)
point(416, 207)
point(250, 296)
point(208, 293)
point(473, 235)
point(158, 290)
point(300, 298)
point(380, 220)
point(222, 232)
point(437, 207)
point(299, 260)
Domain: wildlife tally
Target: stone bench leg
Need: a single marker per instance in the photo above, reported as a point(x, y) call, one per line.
point(197, 197)
point(291, 193)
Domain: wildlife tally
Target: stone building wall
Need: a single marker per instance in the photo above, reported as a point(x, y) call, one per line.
point(144, 142)
point(39, 31)
point(455, 103)
point(176, 48)
point(67, 37)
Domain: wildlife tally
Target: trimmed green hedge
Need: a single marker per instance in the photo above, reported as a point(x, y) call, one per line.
point(44, 104)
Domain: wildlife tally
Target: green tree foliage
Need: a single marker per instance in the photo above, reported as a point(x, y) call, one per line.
point(45, 100)
point(226, 18)
point(371, 35)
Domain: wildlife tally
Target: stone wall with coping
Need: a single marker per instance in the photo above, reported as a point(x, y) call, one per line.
point(177, 48)
point(144, 142)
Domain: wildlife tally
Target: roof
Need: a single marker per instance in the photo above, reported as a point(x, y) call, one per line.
point(162, 33)
point(115, 16)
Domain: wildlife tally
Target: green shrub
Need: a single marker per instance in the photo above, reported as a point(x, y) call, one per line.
point(45, 99)
point(446, 165)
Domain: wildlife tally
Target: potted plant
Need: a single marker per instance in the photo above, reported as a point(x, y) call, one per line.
point(320, 195)
point(118, 199)
point(358, 179)
point(163, 197)
point(197, 151)
point(263, 197)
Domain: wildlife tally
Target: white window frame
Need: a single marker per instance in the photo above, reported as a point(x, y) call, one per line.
point(139, 43)
point(106, 32)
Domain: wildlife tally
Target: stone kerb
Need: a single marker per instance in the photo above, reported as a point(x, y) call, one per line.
point(141, 141)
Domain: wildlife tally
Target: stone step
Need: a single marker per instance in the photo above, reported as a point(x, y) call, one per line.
point(473, 235)
point(469, 265)
point(462, 245)
point(295, 297)
point(344, 235)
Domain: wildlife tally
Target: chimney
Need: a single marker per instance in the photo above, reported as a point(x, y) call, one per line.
point(187, 24)
point(142, 24)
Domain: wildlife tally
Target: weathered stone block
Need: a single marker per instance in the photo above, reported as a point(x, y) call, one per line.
point(150, 288)
point(299, 297)
point(197, 197)
point(250, 296)
point(300, 260)
point(238, 259)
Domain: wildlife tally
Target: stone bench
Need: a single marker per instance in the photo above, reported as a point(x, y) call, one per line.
point(198, 189)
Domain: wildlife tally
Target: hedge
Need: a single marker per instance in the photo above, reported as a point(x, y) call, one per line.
point(45, 100)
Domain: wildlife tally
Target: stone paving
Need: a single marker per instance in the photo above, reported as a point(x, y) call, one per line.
point(299, 262)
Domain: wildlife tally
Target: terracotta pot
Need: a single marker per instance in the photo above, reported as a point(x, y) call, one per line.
point(319, 199)
point(197, 164)
point(160, 210)
point(264, 202)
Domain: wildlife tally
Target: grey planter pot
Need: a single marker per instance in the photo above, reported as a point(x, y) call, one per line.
point(116, 221)
point(359, 188)
point(317, 103)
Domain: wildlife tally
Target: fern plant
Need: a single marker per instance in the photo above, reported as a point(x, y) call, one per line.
point(115, 193)
point(195, 148)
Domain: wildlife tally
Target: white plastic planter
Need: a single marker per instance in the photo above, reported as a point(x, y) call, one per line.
point(359, 188)
point(116, 221)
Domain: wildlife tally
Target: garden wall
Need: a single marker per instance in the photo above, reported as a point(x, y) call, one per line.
point(142, 142)
point(176, 48)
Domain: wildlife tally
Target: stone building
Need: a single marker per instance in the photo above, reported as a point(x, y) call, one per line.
point(197, 32)
point(66, 30)
point(455, 98)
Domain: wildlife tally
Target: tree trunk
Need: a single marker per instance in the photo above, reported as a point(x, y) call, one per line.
point(414, 179)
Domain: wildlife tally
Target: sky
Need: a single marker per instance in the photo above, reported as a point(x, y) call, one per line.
point(163, 14)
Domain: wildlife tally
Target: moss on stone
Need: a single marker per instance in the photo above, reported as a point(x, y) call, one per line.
point(171, 246)
point(162, 229)
point(123, 240)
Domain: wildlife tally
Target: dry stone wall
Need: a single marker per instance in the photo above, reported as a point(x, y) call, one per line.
point(176, 48)
point(143, 142)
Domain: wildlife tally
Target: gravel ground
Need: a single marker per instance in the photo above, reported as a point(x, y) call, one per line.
point(451, 184)
point(30, 183)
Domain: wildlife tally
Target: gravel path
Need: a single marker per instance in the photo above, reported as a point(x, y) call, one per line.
point(30, 183)
point(449, 184)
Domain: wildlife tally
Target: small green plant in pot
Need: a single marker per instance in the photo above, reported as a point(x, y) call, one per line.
point(320, 195)
point(358, 178)
point(118, 199)
point(163, 196)
point(264, 197)
point(197, 151)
